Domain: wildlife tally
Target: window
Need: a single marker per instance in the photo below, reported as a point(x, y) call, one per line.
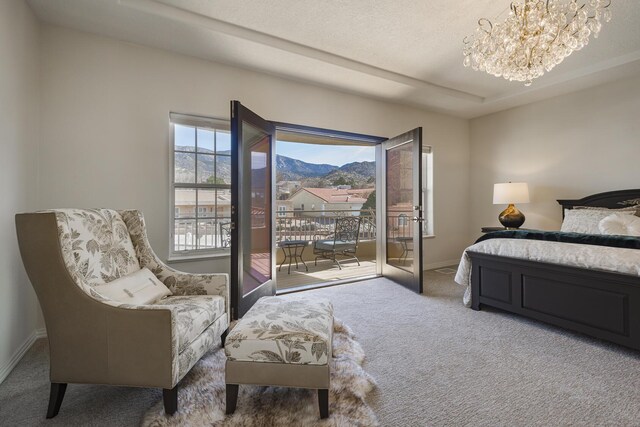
point(201, 184)
point(427, 190)
point(282, 210)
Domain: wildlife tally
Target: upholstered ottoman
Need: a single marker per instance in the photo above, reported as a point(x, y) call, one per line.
point(282, 342)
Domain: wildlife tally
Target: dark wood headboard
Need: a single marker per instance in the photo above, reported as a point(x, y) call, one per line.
point(610, 199)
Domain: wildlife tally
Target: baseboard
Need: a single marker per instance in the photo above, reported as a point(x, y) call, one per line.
point(20, 352)
point(440, 264)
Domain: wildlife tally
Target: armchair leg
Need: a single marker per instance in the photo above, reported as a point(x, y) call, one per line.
point(170, 398)
point(56, 395)
point(223, 337)
point(323, 402)
point(232, 398)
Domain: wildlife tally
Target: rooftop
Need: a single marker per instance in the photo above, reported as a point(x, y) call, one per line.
point(332, 195)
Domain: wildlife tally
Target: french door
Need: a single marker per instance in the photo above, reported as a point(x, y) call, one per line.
point(401, 209)
point(252, 208)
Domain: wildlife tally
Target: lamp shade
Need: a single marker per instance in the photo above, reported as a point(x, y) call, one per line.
point(510, 192)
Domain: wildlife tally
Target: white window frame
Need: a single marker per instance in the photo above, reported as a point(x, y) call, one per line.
point(428, 230)
point(213, 123)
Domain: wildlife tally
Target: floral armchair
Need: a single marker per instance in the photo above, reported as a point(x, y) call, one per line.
point(95, 340)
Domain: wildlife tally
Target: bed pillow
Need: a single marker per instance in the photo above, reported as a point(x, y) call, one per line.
point(587, 221)
point(138, 288)
point(622, 225)
point(635, 209)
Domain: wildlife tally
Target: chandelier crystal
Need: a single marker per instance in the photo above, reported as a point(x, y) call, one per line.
point(534, 38)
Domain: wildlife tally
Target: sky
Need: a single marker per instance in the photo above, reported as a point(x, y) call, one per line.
point(336, 155)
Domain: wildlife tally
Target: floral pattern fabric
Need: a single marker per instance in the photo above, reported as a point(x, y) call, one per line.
point(193, 315)
point(204, 343)
point(292, 329)
point(95, 245)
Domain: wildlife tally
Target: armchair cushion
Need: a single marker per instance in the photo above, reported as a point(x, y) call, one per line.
point(193, 314)
point(96, 245)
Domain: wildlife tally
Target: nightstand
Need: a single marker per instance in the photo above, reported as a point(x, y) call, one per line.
point(490, 229)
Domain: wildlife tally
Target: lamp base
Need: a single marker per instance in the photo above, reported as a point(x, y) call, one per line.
point(511, 217)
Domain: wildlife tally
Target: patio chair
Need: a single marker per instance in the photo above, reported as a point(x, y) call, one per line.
point(344, 242)
point(225, 234)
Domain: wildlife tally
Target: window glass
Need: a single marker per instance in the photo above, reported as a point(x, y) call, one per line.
point(201, 184)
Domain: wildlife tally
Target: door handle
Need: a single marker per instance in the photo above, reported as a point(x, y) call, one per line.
point(416, 219)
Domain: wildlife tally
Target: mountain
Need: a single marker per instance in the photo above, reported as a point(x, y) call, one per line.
point(289, 169)
point(184, 166)
point(357, 174)
point(365, 169)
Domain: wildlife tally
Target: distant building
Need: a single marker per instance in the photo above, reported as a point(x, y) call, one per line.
point(284, 208)
point(285, 188)
point(363, 193)
point(210, 203)
point(308, 200)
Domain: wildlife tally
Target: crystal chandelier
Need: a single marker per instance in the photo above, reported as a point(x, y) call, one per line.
point(535, 37)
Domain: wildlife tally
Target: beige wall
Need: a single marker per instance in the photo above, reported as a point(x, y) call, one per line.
point(565, 147)
point(19, 120)
point(106, 135)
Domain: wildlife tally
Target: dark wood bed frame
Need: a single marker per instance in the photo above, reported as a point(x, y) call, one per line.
point(601, 304)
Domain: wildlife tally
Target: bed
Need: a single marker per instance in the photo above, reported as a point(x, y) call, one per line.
point(599, 303)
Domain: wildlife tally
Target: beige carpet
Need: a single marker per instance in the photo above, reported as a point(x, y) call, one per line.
point(202, 395)
point(436, 363)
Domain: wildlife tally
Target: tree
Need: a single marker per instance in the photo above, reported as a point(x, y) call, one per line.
point(370, 204)
point(215, 180)
point(341, 180)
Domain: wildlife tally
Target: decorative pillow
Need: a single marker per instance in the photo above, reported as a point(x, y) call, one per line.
point(586, 220)
point(633, 208)
point(597, 208)
point(622, 225)
point(139, 288)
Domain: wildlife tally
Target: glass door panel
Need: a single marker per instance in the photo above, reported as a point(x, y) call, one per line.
point(257, 240)
point(252, 205)
point(402, 216)
point(399, 206)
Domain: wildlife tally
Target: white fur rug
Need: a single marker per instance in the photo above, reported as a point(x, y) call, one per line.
point(201, 396)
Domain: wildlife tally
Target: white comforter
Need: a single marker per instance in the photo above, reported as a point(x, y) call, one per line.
point(605, 258)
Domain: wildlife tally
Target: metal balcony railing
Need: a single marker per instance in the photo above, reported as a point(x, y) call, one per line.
point(208, 234)
point(213, 233)
point(319, 224)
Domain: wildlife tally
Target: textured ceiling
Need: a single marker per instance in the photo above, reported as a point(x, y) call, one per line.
point(405, 51)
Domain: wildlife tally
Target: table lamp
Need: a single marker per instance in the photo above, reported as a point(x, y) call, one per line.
point(510, 193)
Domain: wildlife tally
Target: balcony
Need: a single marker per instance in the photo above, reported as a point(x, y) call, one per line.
point(319, 225)
point(309, 226)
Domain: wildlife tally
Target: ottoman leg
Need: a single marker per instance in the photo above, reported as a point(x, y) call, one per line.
point(323, 402)
point(232, 398)
point(170, 398)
